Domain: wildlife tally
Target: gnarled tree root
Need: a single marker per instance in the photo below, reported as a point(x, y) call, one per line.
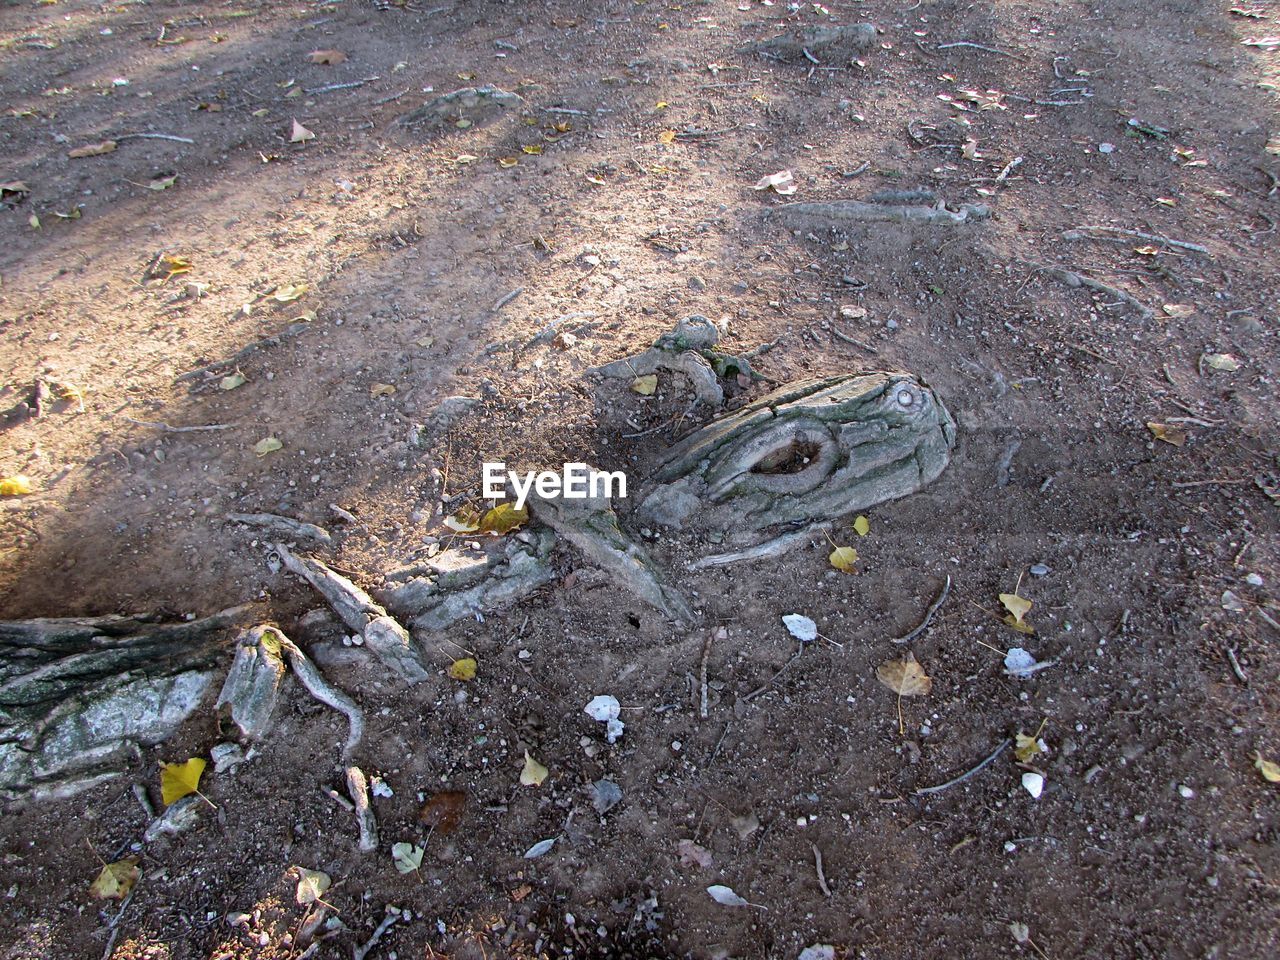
point(382, 633)
point(690, 350)
point(79, 696)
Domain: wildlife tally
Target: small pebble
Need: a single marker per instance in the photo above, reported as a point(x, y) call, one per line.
point(1106, 148)
point(1039, 570)
point(1186, 792)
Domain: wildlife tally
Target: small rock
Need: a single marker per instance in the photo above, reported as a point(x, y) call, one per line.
point(180, 817)
point(1185, 792)
point(1039, 570)
point(697, 283)
point(1033, 783)
point(1253, 580)
point(850, 312)
point(1106, 148)
point(605, 795)
point(237, 918)
point(226, 756)
point(819, 951)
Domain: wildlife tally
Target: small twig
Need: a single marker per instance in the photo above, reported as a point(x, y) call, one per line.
point(338, 798)
point(738, 83)
point(967, 774)
point(392, 98)
point(1235, 666)
point(151, 136)
point(1224, 481)
point(1078, 233)
point(358, 787)
point(392, 915)
point(1008, 168)
point(140, 794)
point(854, 341)
point(1073, 279)
point(166, 428)
point(240, 355)
point(817, 866)
point(507, 299)
point(1094, 354)
point(340, 86)
point(810, 57)
point(928, 616)
point(706, 655)
point(759, 690)
point(977, 46)
point(567, 110)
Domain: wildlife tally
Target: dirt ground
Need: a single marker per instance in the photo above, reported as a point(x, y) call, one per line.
point(1155, 835)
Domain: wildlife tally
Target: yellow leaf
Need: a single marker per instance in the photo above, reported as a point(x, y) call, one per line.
point(92, 150)
point(1179, 309)
point(116, 880)
point(236, 379)
point(904, 677)
point(503, 518)
point(1025, 748)
point(533, 773)
point(861, 525)
point(382, 390)
point(466, 76)
point(34, 222)
point(1222, 361)
point(1019, 625)
point(646, 385)
point(1172, 435)
point(1167, 201)
point(267, 445)
point(300, 134)
point(465, 158)
point(289, 291)
point(464, 669)
point(15, 486)
point(1146, 251)
point(661, 105)
point(177, 780)
point(311, 885)
point(175, 265)
point(1017, 606)
point(533, 150)
point(591, 178)
point(508, 162)
point(1270, 770)
point(260, 113)
point(844, 558)
point(564, 126)
point(295, 92)
point(667, 136)
point(466, 520)
point(328, 57)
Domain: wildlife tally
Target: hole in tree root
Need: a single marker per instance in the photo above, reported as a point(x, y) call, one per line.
point(795, 457)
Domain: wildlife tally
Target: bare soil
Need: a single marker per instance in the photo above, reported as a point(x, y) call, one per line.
point(1155, 835)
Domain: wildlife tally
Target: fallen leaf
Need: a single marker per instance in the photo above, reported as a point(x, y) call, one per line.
point(18, 187)
point(34, 222)
point(694, 855)
point(539, 848)
point(174, 266)
point(667, 136)
point(465, 158)
point(1269, 769)
point(970, 149)
point(177, 780)
point(462, 123)
point(646, 385)
point(465, 520)
point(904, 677)
point(407, 857)
point(1171, 435)
point(466, 76)
point(782, 183)
point(564, 126)
point(1025, 748)
point(464, 669)
point(1018, 608)
point(260, 113)
point(311, 885)
point(725, 895)
point(1167, 201)
point(533, 773)
point(503, 518)
point(231, 382)
point(508, 162)
point(1146, 251)
point(300, 134)
point(327, 57)
point(844, 559)
point(162, 183)
point(92, 150)
point(287, 292)
point(443, 812)
point(861, 525)
point(533, 150)
point(115, 880)
point(661, 105)
point(1179, 309)
point(15, 486)
point(382, 390)
point(1222, 361)
point(801, 627)
point(267, 445)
